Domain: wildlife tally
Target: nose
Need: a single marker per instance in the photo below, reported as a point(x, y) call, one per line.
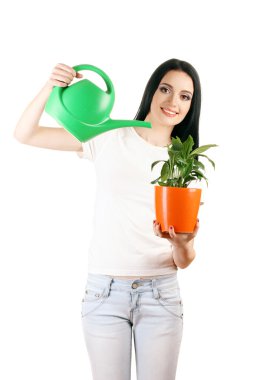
point(172, 100)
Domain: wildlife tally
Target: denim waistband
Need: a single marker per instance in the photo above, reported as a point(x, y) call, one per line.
point(133, 285)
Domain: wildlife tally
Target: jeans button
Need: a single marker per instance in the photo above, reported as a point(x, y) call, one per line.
point(134, 285)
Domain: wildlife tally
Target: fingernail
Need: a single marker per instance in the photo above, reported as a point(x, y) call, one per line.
point(170, 227)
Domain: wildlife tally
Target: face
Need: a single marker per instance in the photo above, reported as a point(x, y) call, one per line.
point(172, 99)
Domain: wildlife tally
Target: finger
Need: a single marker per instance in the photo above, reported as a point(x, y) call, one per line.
point(58, 83)
point(66, 68)
point(165, 234)
point(157, 229)
point(162, 234)
point(64, 73)
point(172, 232)
point(196, 228)
point(154, 227)
point(61, 78)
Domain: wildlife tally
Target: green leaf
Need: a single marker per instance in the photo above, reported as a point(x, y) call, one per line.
point(177, 144)
point(190, 178)
point(209, 159)
point(187, 146)
point(187, 170)
point(155, 180)
point(165, 171)
point(202, 149)
point(198, 164)
point(198, 174)
point(156, 162)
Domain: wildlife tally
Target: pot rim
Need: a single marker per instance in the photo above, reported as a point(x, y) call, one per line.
point(180, 188)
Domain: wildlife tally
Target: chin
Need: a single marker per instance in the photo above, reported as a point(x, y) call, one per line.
point(171, 125)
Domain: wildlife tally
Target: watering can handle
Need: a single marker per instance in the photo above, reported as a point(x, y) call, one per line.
point(110, 88)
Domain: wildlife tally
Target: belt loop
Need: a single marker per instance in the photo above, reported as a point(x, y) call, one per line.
point(108, 288)
point(154, 288)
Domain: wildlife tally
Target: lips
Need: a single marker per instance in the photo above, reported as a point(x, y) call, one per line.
point(168, 112)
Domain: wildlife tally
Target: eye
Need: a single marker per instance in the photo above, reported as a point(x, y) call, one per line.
point(186, 97)
point(164, 89)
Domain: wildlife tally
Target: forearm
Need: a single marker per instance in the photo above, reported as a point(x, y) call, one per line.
point(29, 120)
point(183, 256)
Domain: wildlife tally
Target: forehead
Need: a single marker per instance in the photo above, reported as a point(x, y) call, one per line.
point(179, 80)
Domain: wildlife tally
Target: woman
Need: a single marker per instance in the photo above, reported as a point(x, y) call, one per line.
point(132, 282)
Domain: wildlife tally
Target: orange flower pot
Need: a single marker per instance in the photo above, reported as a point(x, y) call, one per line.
point(177, 207)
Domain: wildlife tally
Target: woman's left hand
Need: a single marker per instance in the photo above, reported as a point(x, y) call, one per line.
point(179, 239)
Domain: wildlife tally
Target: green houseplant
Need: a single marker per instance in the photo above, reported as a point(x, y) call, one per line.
point(175, 203)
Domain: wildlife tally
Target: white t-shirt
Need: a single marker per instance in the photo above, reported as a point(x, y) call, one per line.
point(123, 241)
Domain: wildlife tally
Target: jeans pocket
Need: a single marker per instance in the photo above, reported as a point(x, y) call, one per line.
point(94, 296)
point(171, 300)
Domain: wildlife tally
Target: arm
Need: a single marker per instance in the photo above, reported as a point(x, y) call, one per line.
point(28, 131)
point(183, 255)
point(182, 244)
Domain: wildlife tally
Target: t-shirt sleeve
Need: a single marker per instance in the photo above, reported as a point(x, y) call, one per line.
point(88, 150)
point(93, 147)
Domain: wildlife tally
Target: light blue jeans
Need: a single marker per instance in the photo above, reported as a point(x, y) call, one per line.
point(149, 309)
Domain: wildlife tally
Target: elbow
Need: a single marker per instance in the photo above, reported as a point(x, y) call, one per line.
point(184, 264)
point(19, 137)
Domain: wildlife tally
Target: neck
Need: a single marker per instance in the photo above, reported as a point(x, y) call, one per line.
point(158, 135)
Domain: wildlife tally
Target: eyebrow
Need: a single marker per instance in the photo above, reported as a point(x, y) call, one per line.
point(169, 85)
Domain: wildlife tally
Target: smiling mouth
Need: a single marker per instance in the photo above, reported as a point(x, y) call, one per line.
point(169, 113)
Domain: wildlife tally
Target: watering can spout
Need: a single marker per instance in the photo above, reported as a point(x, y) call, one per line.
point(114, 124)
point(84, 132)
point(84, 109)
point(90, 131)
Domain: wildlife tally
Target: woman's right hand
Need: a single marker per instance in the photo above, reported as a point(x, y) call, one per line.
point(62, 75)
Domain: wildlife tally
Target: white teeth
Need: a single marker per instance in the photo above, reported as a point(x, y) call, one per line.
point(171, 113)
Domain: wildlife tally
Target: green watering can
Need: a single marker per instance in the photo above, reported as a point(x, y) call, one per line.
point(84, 109)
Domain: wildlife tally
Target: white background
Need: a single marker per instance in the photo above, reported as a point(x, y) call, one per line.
point(47, 197)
